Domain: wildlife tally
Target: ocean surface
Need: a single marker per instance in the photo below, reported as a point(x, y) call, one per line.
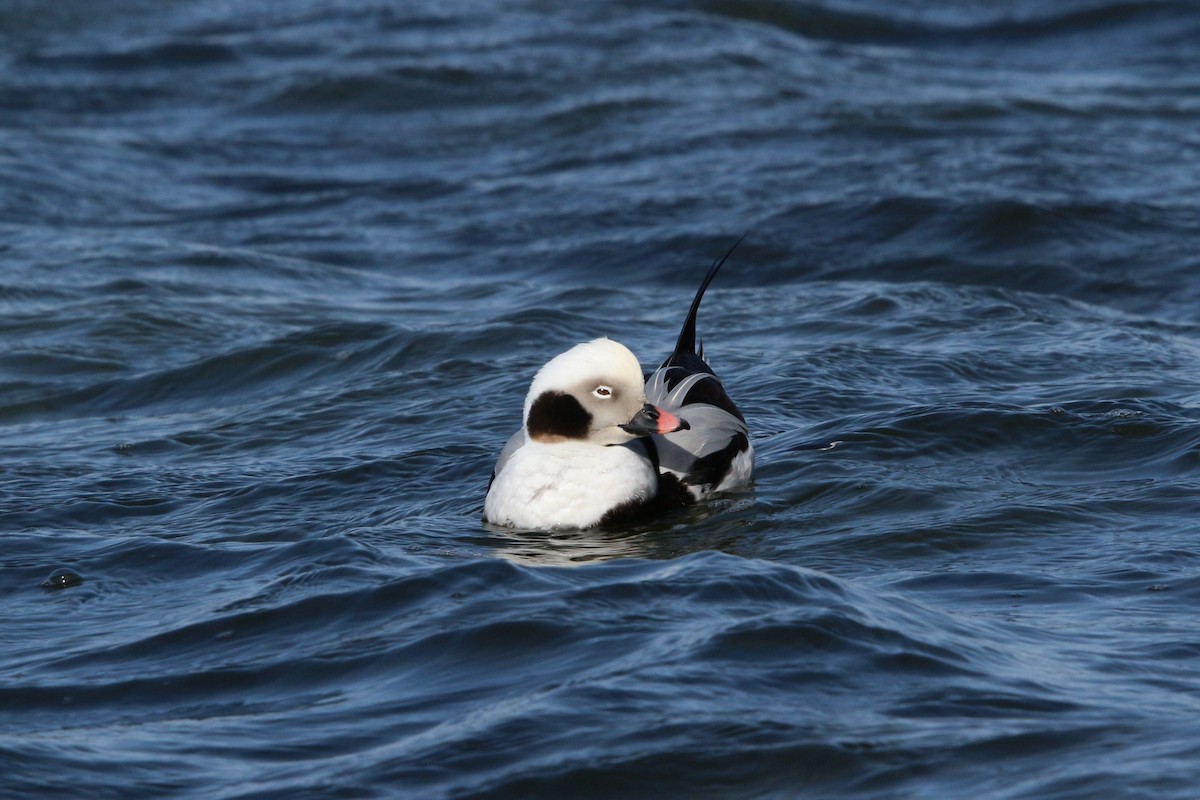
point(274, 279)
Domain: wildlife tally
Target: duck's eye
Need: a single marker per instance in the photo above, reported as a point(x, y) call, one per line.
point(603, 392)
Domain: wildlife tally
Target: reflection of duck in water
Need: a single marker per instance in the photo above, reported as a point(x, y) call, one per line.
point(600, 447)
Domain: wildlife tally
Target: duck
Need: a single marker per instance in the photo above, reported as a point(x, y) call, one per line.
point(602, 444)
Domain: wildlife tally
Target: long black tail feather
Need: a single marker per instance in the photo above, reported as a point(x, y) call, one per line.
point(687, 361)
point(686, 344)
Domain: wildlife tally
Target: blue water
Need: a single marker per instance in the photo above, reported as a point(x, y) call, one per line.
point(274, 279)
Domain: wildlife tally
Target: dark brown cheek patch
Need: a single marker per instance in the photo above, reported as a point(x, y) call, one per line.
point(555, 414)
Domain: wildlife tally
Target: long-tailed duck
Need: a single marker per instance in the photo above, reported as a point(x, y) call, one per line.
point(599, 446)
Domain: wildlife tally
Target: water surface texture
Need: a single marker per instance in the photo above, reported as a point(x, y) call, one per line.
point(274, 278)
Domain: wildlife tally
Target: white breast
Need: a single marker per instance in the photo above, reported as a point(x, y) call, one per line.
point(567, 484)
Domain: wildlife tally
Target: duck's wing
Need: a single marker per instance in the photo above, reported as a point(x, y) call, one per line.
point(515, 443)
point(715, 453)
